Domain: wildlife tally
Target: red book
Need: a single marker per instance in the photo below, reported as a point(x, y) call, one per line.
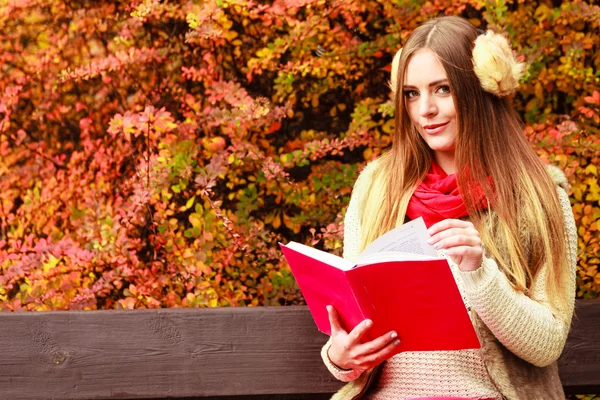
point(415, 295)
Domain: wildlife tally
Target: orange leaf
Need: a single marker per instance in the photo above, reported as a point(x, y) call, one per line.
point(387, 68)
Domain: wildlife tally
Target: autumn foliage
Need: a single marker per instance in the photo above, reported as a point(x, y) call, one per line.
point(153, 153)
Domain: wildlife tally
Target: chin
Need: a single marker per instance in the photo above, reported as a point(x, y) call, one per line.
point(443, 147)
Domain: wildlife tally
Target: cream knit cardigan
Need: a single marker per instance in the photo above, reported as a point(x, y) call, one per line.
point(508, 322)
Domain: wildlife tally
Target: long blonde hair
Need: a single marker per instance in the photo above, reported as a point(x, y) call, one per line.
point(525, 228)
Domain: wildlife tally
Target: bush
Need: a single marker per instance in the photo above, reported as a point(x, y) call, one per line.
point(154, 153)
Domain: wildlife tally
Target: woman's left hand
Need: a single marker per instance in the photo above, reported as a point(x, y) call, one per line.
point(460, 240)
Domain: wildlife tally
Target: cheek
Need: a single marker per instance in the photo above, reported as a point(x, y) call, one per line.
point(449, 109)
point(412, 109)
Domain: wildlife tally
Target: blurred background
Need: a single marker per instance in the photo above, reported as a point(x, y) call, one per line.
point(153, 153)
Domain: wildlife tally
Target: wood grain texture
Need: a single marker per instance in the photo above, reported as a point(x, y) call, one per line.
point(161, 353)
point(579, 364)
point(226, 354)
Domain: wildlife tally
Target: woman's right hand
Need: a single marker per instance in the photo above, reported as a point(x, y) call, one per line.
point(347, 351)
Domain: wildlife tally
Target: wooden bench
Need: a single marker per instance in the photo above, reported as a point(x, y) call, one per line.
point(225, 354)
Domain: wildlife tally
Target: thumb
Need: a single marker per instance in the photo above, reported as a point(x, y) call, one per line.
point(334, 321)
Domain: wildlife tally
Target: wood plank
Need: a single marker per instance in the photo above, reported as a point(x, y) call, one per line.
point(579, 364)
point(198, 353)
point(161, 353)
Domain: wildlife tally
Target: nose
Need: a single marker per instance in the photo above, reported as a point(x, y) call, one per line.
point(427, 107)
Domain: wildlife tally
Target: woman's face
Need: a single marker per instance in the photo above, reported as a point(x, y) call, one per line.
point(430, 105)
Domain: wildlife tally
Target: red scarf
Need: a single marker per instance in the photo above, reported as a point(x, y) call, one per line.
point(437, 198)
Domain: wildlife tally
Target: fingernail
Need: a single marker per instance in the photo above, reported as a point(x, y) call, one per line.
point(430, 240)
point(328, 308)
point(436, 245)
point(394, 335)
point(397, 342)
point(369, 323)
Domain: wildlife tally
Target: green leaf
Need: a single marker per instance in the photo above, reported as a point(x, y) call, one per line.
point(190, 203)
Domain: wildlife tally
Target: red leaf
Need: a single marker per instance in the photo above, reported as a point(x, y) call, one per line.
point(275, 126)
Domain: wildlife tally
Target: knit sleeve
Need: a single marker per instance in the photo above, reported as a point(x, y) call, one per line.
point(529, 326)
point(352, 228)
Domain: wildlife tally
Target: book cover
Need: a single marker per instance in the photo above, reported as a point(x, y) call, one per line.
point(414, 294)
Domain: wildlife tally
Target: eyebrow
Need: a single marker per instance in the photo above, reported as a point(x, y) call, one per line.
point(434, 83)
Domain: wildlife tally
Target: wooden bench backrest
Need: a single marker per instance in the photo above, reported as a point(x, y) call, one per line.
point(255, 353)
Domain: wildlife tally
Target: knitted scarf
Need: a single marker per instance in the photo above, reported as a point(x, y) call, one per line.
point(438, 198)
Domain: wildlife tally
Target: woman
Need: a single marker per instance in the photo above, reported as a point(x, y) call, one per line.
point(502, 219)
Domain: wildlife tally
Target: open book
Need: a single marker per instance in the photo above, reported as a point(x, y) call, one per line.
point(398, 282)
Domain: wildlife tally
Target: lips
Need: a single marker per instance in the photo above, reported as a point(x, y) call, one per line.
point(435, 128)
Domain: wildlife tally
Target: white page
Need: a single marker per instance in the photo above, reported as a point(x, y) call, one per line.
point(322, 256)
point(386, 256)
point(408, 238)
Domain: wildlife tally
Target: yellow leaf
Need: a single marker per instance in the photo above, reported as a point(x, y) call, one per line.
point(388, 127)
point(262, 53)
point(225, 22)
point(190, 202)
point(195, 219)
point(475, 21)
point(531, 104)
point(542, 12)
point(591, 169)
point(315, 101)
point(290, 224)
point(230, 35)
point(205, 269)
point(539, 91)
point(276, 221)
point(578, 191)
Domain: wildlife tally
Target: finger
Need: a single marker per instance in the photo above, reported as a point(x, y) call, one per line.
point(378, 357)
point(334, 320)
point(452, 232)
point(359, 331)
point(458, 241)
point(464, 251)
point(376, 345)
point(447, 224)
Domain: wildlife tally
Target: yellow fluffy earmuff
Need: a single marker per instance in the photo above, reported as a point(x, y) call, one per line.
point(394, 74)
point(495, 65)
